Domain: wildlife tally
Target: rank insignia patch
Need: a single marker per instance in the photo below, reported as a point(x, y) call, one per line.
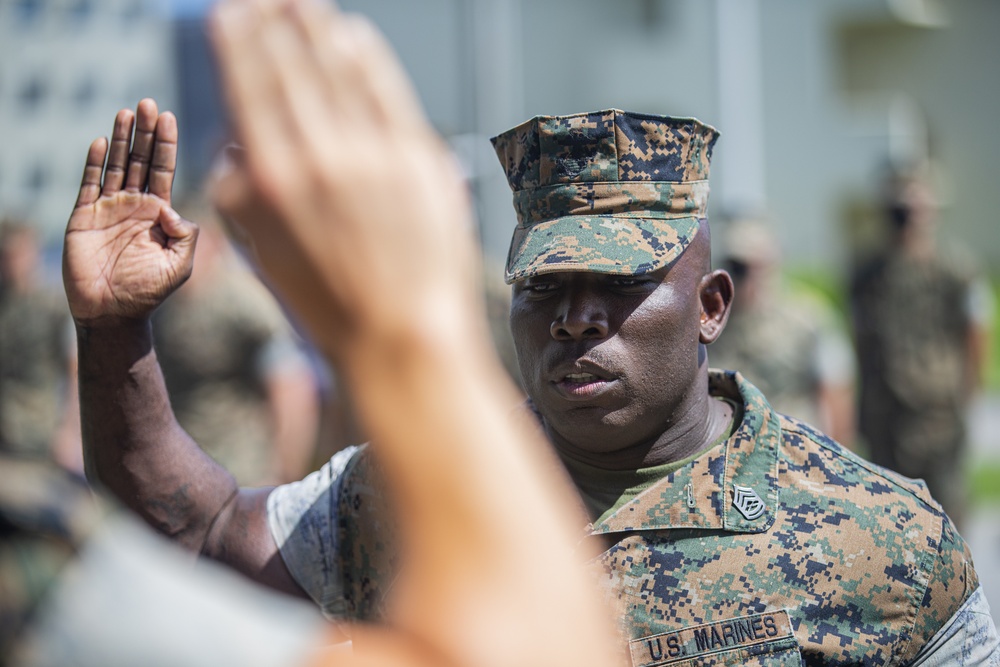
point(747, 502)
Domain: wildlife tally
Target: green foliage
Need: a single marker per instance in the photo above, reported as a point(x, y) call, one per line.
point(984, 482)
point(991, 378)
point(824, 283)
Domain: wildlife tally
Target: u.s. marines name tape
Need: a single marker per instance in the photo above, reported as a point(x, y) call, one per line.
point(761, 631)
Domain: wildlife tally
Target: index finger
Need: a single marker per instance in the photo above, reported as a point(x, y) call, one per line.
point(90, 185)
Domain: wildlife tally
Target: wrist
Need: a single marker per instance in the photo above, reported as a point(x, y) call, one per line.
point(111, 342)
point(112, 324)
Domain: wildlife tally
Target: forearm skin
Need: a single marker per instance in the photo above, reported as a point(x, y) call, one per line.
point(133, 445)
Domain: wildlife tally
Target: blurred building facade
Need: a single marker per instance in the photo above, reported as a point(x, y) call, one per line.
point(66, 67)
point(811, 98)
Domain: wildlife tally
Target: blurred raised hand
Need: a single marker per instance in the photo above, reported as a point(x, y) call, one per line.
point(126, 249)
point(337, 149)
point(359, 218)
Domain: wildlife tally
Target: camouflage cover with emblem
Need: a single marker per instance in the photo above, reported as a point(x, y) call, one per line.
point(610, 191)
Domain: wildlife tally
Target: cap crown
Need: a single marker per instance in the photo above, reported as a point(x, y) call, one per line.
point(607, 162)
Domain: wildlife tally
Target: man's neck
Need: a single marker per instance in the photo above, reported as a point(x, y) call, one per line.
point(699, 420)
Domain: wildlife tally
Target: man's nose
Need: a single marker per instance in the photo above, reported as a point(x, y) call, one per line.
point(580, 316)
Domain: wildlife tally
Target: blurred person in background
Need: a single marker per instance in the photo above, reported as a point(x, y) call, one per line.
point(786, 342)
point(920, 314)
point(239, 380)
point(39, 418)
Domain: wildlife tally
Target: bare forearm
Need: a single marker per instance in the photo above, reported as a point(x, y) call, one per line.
point(133, 446)
point(474, 485)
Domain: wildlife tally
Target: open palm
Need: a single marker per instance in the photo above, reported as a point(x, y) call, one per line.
point(126, 249)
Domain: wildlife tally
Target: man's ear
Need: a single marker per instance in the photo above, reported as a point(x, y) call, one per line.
point(716, 293)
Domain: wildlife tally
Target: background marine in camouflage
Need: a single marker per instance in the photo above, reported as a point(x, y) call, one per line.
point(919, 312)
point(784, 339)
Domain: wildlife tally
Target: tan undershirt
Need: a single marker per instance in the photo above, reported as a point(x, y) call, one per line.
point(604, 491)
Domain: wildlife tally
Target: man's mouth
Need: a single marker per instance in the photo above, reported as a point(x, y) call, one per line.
point(582, 385)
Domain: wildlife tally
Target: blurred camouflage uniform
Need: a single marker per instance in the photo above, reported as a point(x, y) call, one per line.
point(82, 584)
point(787, 342)
point(35, 353)
point(912, 321)
point(847, 563)
point(780, 348)
point(773, 546)
point(216, 346)
point(46, 514)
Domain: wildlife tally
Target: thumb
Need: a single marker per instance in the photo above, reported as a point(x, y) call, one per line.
point(177, 228)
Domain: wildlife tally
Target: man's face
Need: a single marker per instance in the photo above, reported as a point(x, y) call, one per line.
point(609, 360)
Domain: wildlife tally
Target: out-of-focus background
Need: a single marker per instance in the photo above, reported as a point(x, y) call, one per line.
point(815, 101)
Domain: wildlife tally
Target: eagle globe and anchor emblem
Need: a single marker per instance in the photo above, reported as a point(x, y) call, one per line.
point(747, 502)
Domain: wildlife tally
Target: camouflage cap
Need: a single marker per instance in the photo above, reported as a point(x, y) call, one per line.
point(609, 191)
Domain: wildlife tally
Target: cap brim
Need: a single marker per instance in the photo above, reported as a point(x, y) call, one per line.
point(614, 244)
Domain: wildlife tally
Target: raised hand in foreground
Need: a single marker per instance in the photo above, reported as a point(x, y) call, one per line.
point(359, 220)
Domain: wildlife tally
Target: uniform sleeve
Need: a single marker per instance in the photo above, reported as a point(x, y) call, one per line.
point(134, 599)
point(952, 586)
point(303, 519)
point(968, 638)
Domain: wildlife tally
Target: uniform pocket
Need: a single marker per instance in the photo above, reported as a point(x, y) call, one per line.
point(760, 639)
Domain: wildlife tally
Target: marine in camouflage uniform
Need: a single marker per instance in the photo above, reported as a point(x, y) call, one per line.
point(784, 340)
point(916, 317)
point(771, 546)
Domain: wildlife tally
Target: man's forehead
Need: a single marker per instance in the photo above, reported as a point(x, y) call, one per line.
point(661, 274)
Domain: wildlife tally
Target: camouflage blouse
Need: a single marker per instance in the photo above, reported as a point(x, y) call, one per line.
point(776, 547)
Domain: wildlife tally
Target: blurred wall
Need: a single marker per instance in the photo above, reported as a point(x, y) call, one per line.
point(811, 97)
point(66, 67)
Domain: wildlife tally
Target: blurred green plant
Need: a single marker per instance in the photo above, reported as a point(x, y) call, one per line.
point(984, 482)
point(991, 379)
point(833, 288)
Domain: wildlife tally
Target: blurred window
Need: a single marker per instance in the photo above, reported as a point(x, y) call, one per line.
point(84, 93)
point(28, 11)
point(37, 179)
point(80, 11)
point(33, 92)
point(133, 11)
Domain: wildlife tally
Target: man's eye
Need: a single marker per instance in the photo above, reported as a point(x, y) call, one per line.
point(539, 287)
point(628, 281)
